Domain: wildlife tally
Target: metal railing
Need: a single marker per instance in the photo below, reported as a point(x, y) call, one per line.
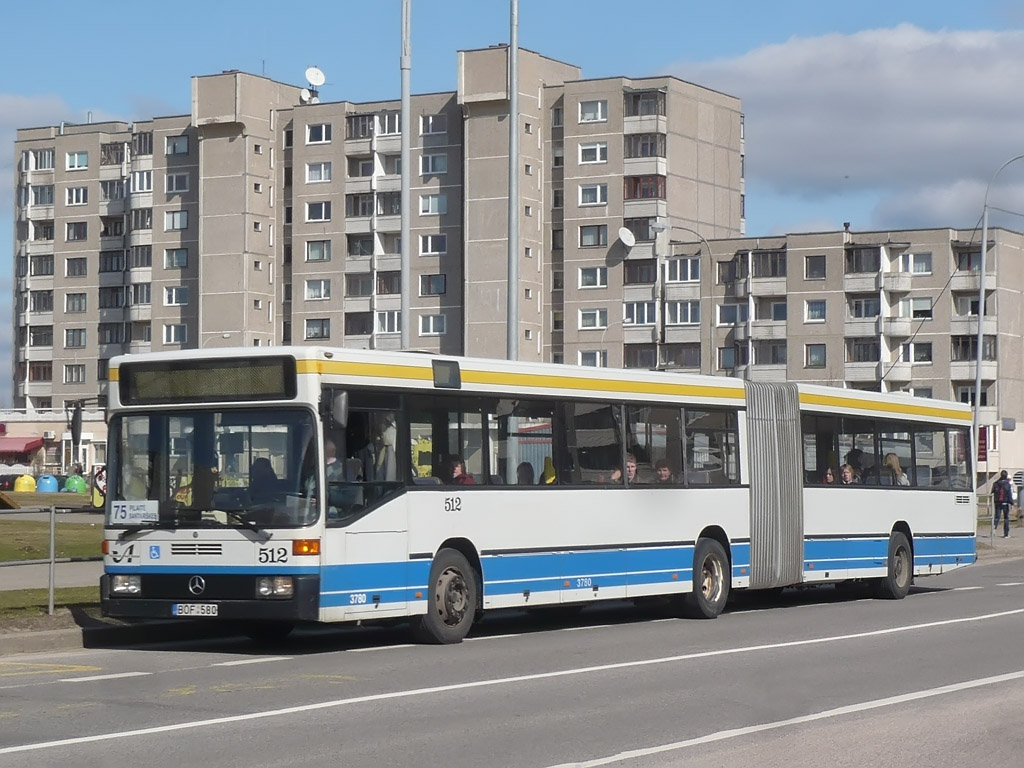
point(52, 560)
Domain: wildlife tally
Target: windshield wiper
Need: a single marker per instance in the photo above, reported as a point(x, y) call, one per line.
point(249, 524)
point(131, 530)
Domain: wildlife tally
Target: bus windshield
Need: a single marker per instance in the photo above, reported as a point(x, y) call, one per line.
point(248, 468)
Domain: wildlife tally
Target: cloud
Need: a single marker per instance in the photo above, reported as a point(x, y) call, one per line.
point(920, 118)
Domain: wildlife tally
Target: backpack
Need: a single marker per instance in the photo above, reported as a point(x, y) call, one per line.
point(999, 492)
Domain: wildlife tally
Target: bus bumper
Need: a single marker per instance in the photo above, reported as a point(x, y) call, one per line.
point(161, 596)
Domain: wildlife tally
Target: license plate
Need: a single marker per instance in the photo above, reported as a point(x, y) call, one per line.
point(194, 609)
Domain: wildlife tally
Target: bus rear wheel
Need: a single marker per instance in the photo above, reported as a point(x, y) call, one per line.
point(451, 600)
point(710, 581)
point(896, 583)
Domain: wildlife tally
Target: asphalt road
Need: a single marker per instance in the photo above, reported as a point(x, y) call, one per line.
point(936, 679)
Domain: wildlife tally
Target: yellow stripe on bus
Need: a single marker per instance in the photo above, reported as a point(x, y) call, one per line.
point(112, 374)
point(513, 380)
point(871, 405)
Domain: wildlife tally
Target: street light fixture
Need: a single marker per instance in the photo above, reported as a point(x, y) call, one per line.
point(976, 424)
point(658, 227)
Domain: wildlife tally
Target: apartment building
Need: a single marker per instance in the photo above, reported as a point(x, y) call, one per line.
point(265, 217)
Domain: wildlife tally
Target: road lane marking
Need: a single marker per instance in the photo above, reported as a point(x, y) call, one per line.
point(1011, 584)
point(102, 677)
point(964, 589)
point(240, 662)
point(493, 637)
point(381, 648)
point(21, 668)
point(494, 682)
point(733, 733)
point(588, 626)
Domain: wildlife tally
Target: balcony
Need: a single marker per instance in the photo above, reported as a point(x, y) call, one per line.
point(140, 312)
point(771, 330)
point(964, 370)
point(862, 326)
point(645, 166)
point(862, 282)
point(682, 291)
point(639, 334)
point(774, 373)
point(741, 332)
point(971, 281)
point(359, 185)
point(389, 262)
point(392, 183)
point(961, 325)
point(897, 282)
point(897, 326)
point(861, 372)
point(767, 286)
point(682, 334)
point(388, 143)
point(898, 371)
point(389, 223)
point(645, 208)
point(645, 124)
point(640, 292)
point(137, 347)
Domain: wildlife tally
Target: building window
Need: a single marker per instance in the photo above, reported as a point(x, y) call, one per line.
point(389, 283)
point(360, 245)
point(432, 124)
point(77, 231)
point(77, 195)
point(319, 211)
point(40, 371)
point(593, 194)
point(175, 258)
point(42, 266)
point(42, 194)
point(771, 353)
point(44, 159)
point(768, 264)
point(319, 328)
point(74, 302)
point(640, 272)
point(594, 152)
point(432, 325)
point(644, 103)
point(644, 145)
point(593, 111)
point(864, 307)
point(358, 285)
point(918, 308)
point(644, 187)
point(732, 314)
point(593, 277)
point(390, 123)
point(641, 228)
point(74, 374)
point(557, 115)
point(389, 322)
point(682, 313)
point(433, 205)
point(643, 356)
point(639, 313)
point(175, 221)
point(557, 239)
point(917, 352)
point(730, 358)
point(558, 156)
point(74, 338)
point(142, 218)
point(433, 245)
point(814, 311)
point(175, 296)
point(360, 126)
point(358, 323)
point(814, 267)
point(594, 358)
point(76, 267)
point(318, 290)
point(814, 356)
point(916, 263)
point(176, 183)
point(557, 198)
point(684, 270)
point(141, 256)
point(965, 306)
point(360, 167)
point(142, 143)
point(177, 145)
point(361, 205)
point(111, 190)
point(778, 311)
point(389, 203)
point(318, 133)
point(77, 161)
point(862, 350)
point(111, 261)
point(42, 301)
point(433, 285)
point(175, 334)
point(433, 165)
point(964, 349)
point(257, 226)
point(593, 235)
point(111, 226)
point(318, 172)
point(863, 260)
point(528, 210)
point(42, 336)
point(528, 169)
point(141, 181)
point(141, 294)
point(593, 318)
point(968, 261)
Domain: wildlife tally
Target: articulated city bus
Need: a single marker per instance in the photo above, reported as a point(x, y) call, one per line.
point(283, 485)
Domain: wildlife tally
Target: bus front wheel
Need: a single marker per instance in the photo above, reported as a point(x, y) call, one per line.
point(710, 581)
point(896, 583)
point(451, 599)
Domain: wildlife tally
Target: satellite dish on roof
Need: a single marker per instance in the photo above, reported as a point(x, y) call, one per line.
point(304, 95)
point(627, 237)
point(315, 100)
point(315, 77)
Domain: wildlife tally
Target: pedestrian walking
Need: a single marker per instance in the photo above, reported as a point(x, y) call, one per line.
point(1002, 495)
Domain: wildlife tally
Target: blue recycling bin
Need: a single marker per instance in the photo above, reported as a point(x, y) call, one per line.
point(47, 484)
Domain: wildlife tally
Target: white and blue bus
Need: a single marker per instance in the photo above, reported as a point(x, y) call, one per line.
point(283, 485)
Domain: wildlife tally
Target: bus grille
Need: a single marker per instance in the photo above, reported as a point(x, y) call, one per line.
point(197, 548)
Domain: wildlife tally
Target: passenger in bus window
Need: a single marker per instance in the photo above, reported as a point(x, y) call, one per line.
point(262, 481)
point(333, 468)
point(524, 473)
point(662, 472)
point(855, 461)
point(457, 471)
point(847, 476)
point(830, 477)
point(892, 464)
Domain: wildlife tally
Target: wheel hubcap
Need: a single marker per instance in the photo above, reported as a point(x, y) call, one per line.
point(901, 568)
point(451, 598)
point(711, 579)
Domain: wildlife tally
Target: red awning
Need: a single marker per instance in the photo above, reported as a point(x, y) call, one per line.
point(20, 445)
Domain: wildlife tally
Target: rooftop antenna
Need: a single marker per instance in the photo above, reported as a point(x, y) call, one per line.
point(315, 77)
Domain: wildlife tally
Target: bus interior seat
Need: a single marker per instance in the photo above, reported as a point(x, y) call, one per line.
point(426, 481)
point(497, 480)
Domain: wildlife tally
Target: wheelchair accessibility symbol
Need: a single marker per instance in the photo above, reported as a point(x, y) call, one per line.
point(154, 553)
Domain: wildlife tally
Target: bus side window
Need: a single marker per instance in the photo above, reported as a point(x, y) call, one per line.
point(521, 443)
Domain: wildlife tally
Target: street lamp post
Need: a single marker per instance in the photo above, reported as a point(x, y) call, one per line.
point(976, 425)
point(659, 226)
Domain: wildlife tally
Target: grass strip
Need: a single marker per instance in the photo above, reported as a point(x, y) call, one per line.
point(30, 539)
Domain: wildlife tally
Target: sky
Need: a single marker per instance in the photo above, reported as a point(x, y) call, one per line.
point(887, 115)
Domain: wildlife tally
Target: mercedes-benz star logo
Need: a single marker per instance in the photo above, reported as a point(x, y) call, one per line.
point(197, 585)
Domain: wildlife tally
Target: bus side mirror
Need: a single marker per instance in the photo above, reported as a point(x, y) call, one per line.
point(339, 409)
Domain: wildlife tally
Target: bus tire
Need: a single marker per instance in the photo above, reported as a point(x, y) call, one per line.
point(451, 600)
point(896, 583)
point(711, 581)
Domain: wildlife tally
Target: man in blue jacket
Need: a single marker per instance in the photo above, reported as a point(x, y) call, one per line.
point(1002, 495)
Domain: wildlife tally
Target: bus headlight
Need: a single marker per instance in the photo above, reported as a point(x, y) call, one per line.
point(126, 585)
point(274, 586)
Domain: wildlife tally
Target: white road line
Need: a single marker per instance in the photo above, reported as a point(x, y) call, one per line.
point(493, 637)
point(965, 589)
point(381, 648)
point(102, 677)
point(733, 733)
point(240, 662)
point(494, 682)
point(1011, 584)
point(588, 626)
